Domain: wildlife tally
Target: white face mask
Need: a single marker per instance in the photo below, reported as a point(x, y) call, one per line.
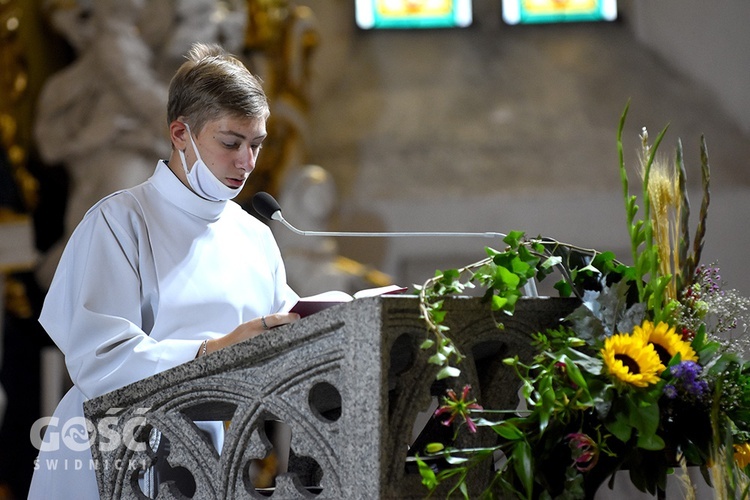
point(202, 180)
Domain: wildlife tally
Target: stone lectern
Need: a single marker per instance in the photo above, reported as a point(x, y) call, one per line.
point(350, 382)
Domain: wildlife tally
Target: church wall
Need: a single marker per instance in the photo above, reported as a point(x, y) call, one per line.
point(706, 40)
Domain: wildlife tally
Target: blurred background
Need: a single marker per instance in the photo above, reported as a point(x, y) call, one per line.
point(408, 115)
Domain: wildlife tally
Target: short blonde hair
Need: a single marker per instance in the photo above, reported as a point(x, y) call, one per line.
point(213, 83)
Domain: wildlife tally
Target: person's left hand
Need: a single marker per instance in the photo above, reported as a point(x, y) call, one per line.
point(251, 329)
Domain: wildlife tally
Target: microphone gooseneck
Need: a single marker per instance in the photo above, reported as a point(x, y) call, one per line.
point(267, 206)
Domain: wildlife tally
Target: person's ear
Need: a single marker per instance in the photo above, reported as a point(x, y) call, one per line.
point(178, 134)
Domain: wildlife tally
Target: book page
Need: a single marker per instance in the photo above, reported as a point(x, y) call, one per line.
point(329, 296)
point(315, 303)
point(318, 302)
point(381, 290)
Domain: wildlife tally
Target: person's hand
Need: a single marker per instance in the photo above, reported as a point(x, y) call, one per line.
point(251, 329)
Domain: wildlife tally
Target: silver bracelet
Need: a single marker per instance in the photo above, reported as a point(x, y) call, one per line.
point(204, 347)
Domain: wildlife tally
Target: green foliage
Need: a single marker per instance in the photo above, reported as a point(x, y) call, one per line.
point(643, 249)
point(589, 404)
point(503, 275)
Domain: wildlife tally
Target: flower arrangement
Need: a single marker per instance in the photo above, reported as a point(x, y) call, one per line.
point(643, 377)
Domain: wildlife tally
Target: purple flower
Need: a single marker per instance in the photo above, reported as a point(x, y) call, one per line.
point(687, 370)
point(670, 391)
point(687, 382)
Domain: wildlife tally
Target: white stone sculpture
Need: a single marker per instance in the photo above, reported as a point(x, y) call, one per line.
point(308, 198)
point(103, 117)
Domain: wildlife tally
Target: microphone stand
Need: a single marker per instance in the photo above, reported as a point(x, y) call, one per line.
point(386, 234)
point(268, 207)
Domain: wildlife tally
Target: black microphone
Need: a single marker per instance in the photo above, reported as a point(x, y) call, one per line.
point(267, 206)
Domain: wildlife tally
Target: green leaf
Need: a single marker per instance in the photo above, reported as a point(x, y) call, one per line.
point(590, 364)
point(546, 404)
point(437, 316)
point(455, 460)
point(498, 302)
point(427, 344)
point(514, 238)
point(449, 275)
point(551, 262)
point(644, 417)
point(437, 359)
point(523, 466)
point(575, 375)
point(512, 297)
point(526, 256)
point(602, 394)
point(519, 267)
point(604, 261)
point(448, 371)
point(564, 288)
point(506, 277)
point(464, 490)
point(508, 431)
point(428, 475)
point(619, 427)
point(650, 442)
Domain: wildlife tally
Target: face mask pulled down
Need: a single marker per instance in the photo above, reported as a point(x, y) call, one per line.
point(202, 180)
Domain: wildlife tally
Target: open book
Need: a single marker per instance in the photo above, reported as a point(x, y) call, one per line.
point(315, 303)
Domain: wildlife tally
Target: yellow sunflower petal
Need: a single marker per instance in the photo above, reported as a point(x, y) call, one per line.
point(742, 454)
point(631, 360)
point(666, 342)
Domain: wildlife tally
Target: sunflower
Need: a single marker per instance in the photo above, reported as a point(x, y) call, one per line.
point(666, 342)
point(742, 454)
point(631, 360)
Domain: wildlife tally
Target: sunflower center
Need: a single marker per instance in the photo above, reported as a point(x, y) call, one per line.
point(629, 363)
point(664, 356)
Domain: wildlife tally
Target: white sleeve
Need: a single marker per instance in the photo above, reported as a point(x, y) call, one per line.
point(93, 311)
point(284, 297)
